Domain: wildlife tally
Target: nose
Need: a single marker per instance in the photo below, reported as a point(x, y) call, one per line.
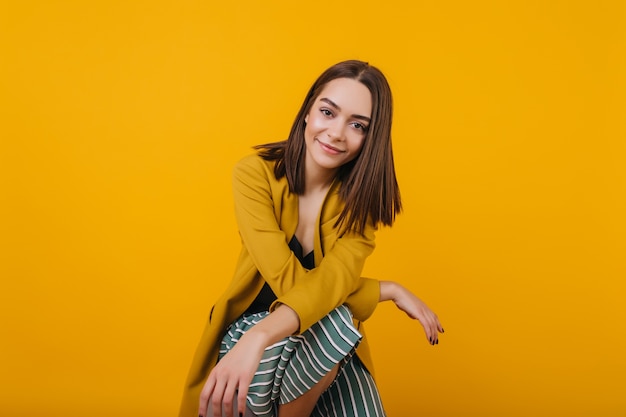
point(336, 129)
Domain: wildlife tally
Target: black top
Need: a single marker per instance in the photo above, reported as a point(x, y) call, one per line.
point(266, 297)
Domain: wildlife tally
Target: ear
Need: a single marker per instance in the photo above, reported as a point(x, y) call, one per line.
point(306, 118)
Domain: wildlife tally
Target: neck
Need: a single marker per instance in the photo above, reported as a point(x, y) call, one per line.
point(316, 180)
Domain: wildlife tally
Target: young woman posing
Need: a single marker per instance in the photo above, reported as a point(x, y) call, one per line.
point(282, 339)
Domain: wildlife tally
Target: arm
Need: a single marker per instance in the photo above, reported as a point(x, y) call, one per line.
point(335, 281)
point(311, 294)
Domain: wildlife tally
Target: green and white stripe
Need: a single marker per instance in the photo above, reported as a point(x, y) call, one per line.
point(292, 366)
point(353, 393)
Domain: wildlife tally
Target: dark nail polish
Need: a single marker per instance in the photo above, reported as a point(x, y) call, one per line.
point(437, 342)
point(240, 414)
point(442, 331)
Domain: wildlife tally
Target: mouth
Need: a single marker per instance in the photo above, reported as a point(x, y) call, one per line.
point(329, 148)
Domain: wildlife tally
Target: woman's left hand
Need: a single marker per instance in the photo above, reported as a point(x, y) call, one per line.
point(415, 308)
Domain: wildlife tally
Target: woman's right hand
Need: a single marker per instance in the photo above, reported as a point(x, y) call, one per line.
point(233, 373)
point(231, 378)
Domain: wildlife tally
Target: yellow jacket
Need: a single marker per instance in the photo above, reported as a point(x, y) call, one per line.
point(267, 216)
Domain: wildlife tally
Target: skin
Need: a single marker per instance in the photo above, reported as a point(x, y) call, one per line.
point(336, 127)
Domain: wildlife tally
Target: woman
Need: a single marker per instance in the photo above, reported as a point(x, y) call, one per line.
point(282, 338)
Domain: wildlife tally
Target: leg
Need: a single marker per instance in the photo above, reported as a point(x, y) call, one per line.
point(353, 394)
point(304, 405)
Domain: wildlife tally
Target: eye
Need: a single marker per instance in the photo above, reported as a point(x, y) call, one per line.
point(359, 126)
point(326, 112)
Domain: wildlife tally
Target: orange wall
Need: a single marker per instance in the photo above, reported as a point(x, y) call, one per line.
point(120, 122)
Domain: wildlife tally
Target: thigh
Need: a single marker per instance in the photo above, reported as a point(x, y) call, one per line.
point(354, 393)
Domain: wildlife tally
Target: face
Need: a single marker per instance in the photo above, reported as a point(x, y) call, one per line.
point(337, 124)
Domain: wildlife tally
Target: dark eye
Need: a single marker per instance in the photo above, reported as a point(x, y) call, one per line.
point(360, 126)
point(326, 112)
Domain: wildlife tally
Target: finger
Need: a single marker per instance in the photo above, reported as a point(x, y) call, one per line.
point(241, 400)
point(427, 326)
point(432, 330)
point(429, 336)
point(435, 329)
point(205, 396)
point(435, 325)
point(425, 320)
point(227, 400)
point(217, 398)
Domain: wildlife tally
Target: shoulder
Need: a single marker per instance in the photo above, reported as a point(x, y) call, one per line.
point(253, 164)
point(253, 170)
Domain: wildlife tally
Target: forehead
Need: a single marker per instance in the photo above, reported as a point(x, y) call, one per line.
point(352, 96)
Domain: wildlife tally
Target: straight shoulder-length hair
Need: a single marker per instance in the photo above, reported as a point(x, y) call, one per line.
point(368, 183)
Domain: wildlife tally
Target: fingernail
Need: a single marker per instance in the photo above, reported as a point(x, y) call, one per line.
point(437, 342)
point(240, 414)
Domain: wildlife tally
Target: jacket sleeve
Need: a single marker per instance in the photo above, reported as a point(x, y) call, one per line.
point(311, 294)
point(364, 299)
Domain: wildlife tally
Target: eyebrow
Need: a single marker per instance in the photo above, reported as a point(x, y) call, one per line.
point(333, 104)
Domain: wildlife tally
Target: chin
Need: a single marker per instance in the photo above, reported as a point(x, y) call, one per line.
point(329, 164)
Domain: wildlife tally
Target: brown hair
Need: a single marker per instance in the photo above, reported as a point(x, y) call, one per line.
point(368, 183)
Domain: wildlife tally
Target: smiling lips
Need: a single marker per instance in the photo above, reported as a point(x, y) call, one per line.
point(328, 148)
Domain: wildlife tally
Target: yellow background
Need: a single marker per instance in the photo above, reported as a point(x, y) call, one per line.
point(120, 122)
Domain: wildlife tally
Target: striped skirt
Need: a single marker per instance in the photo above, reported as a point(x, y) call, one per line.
point(290, 367)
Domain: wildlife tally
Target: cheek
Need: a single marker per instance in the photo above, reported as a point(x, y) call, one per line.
point(313, 122)
point(356, 143)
